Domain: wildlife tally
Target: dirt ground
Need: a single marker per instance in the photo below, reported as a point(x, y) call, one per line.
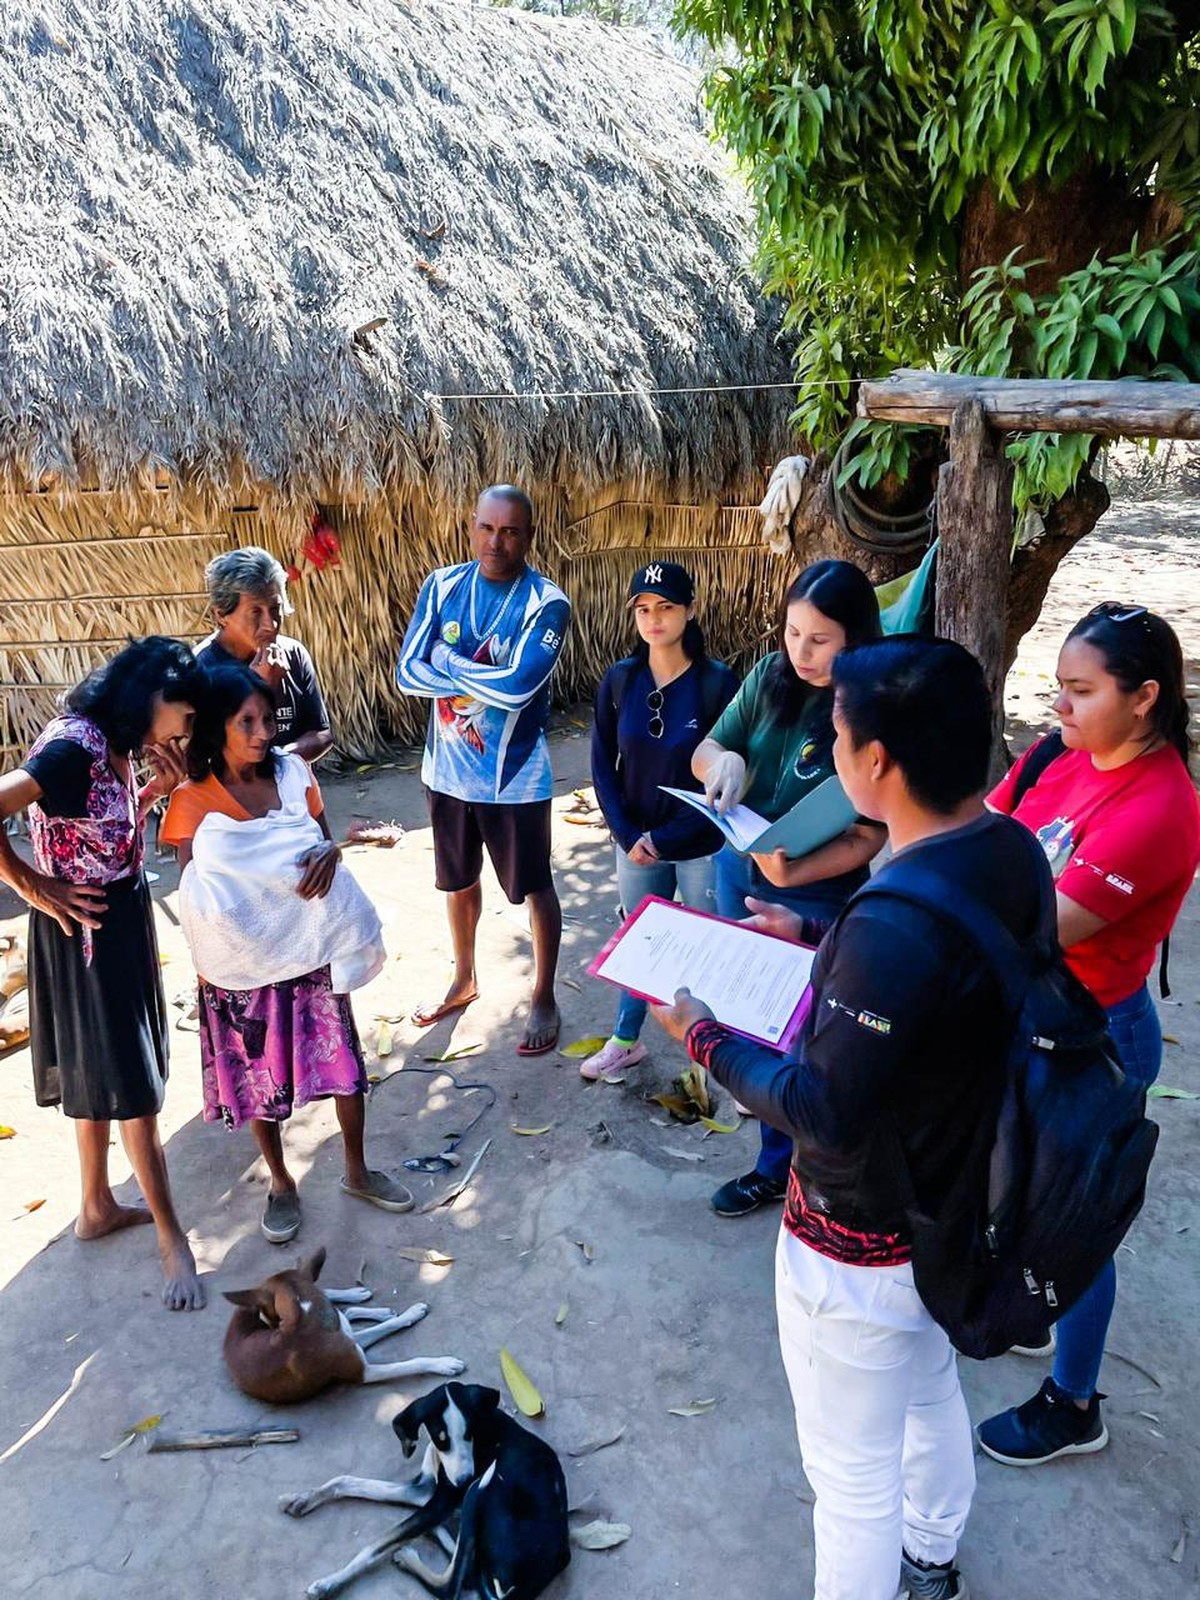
point(676, 1305)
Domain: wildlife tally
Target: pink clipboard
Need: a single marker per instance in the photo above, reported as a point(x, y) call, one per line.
point(796, 1020)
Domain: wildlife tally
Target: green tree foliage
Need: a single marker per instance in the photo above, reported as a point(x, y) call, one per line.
point(1010, 187)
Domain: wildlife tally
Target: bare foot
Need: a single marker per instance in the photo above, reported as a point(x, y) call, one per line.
point(182, 1290)
point(94, 1225)
point(541, 1030)
point(457, 996)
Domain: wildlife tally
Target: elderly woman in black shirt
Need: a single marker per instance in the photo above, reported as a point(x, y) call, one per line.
point(248, 592)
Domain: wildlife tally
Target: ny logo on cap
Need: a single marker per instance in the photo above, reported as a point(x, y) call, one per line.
point(654, 573)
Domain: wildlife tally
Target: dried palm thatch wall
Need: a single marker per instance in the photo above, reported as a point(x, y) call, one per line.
point(251, 256)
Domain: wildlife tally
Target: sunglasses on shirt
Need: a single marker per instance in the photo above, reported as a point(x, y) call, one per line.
point(655, 702)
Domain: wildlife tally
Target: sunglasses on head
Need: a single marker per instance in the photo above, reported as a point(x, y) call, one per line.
point(1115, 611)
point(654, 701)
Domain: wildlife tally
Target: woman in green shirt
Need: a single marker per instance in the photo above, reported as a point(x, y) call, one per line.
point(771, 746)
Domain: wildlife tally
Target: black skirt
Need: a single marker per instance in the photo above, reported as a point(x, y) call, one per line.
point(98, 1033)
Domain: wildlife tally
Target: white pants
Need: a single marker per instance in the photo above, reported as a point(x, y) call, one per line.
point(882, 1423)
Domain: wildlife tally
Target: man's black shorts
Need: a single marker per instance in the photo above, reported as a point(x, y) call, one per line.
point(517, 839)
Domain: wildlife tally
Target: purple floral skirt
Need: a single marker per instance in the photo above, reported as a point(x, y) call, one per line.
point(265, 1051)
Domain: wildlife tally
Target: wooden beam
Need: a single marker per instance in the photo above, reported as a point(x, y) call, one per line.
point(975, 526)
point(1127, 407)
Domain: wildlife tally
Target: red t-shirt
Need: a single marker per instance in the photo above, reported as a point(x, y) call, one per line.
point(1123, 844)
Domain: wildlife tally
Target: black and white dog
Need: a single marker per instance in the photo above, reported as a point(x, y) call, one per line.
point(502, 1484)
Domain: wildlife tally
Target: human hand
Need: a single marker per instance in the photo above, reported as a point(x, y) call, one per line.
point(775, 920)
point(439, 656)
point(725, 780)
point(67, 903)
point(170, 769)
point(775, 867)
point(643, 853)
point(268, 664)
point(684, 1014)
point(320, 864)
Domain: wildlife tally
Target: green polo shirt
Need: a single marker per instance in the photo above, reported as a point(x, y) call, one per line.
point(783, 761)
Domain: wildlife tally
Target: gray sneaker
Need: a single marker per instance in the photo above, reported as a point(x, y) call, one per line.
point(920, 1581)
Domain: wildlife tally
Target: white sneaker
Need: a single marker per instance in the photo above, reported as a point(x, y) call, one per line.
point(612, 1062)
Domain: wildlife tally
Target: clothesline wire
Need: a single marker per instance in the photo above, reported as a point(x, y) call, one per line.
point(645, 394)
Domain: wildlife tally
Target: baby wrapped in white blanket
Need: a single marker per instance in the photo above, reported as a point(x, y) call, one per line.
point(245, 924)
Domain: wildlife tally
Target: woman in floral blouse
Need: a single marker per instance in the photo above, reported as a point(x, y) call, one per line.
point(97, 1012)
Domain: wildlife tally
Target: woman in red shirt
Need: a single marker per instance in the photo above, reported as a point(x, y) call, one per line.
point(1118, 817)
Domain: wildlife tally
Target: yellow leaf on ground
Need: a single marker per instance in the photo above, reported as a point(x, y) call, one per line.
point(583, 1047)
point(383, 1040)
point(600, 1535)
point(522, 1388)
point(7, 1133)
point(560, 1316)
point(531, 1132)
point(719, 1127)
point(34, 1205)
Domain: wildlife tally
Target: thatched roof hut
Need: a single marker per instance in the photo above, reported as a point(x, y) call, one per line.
point(254, 260)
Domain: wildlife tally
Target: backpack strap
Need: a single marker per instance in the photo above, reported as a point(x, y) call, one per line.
point(618, 682)
point(1045, 752)
point(1008, 960)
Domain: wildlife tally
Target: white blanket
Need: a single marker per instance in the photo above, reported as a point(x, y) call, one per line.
point(244, 922)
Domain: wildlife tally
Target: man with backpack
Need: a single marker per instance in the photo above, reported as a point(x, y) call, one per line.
point(899, 1072)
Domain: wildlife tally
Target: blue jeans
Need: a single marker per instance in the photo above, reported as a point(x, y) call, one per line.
point(738, 876)
point(1081, 1333)
point(694, 882)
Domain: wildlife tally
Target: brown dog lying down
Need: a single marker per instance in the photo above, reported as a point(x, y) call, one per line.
point(287, 1340)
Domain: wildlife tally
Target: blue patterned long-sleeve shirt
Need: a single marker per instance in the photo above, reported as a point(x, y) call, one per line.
point(483, 652)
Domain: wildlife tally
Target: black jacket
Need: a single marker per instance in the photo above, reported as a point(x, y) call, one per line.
point(906, 1036)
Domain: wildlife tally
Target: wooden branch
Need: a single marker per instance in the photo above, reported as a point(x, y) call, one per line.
point(216, 1439)
point(1126, 408)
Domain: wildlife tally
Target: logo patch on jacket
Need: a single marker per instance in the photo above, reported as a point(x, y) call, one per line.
point(872, 1022)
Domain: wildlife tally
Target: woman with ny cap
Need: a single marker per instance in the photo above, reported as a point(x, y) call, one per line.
point(652, 710)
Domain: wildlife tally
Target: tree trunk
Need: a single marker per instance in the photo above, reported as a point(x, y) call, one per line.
point(1035, 563)
point(975, 523)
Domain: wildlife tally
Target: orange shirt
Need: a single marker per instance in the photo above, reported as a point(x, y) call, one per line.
point(192, 802)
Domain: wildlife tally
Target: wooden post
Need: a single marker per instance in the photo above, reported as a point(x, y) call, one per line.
point(975, 524)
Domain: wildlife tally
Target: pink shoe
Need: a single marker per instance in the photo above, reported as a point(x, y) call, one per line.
point(612, 1062)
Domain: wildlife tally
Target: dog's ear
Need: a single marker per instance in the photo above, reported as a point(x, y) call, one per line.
point(256, 1299)
point(285, 1306)
point(312, 1267)
point(482, 1400)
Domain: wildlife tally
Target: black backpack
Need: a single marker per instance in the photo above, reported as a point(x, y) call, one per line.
point(1057, 1171)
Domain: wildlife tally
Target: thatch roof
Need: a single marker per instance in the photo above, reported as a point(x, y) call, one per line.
point(202, 202)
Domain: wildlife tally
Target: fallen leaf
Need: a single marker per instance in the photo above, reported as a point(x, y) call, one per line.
point(1164, 1091)
point(692, 1082)
point(589, 1251)
point(7, 1133)
point(1169, 1038)
point(560, 1316)
point(600, 1535)
point(430, 1258)
point(694, 1408)
point(146, 1425)
point(531, 1132)
point(683, 1155)
point(1180, 1547)
point(571, 984)
point(374, 1077)
point(593, 1445)
point(582, 822)
point(34, 1205)
point(453, 1055)
point(583, 1047)
point(383, 1041)
point(720, 1127)
point(680, 1108)
point(522, 1388)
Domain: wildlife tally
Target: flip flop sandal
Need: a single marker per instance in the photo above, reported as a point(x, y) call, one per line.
point(426, 1019)
point(384, 1192)
point(524, 1049)
point(281, 1219)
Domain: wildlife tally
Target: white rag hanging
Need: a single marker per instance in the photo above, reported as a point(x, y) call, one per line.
point(246, 926)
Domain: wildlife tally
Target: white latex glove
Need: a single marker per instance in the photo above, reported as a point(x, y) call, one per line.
point(725, 780)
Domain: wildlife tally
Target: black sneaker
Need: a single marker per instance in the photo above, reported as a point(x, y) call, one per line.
point(922, 1581)
point(1048, 1426)
point(740, 1196)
